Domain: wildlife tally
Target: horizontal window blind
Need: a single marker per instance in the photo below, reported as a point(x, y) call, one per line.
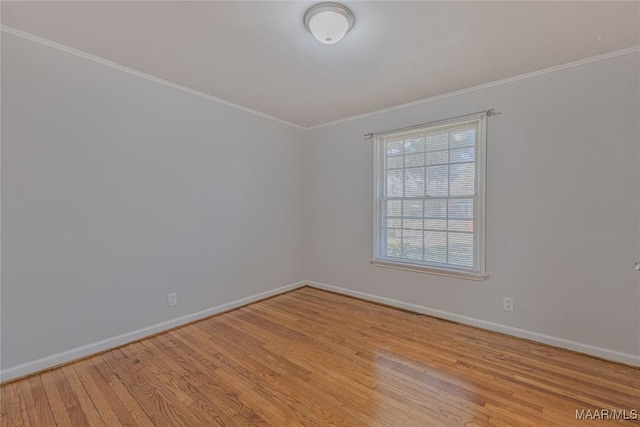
point(430, 196)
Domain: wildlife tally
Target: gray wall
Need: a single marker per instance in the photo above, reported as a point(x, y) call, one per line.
point(117, 190)
point(562, 207)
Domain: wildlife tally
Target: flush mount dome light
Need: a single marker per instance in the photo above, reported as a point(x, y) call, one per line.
point(328, 22)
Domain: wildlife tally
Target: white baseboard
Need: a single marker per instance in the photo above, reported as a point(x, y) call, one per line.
point(117, 341)
point(604, 353)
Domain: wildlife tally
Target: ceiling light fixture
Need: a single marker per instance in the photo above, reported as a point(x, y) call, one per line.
point(328, 22)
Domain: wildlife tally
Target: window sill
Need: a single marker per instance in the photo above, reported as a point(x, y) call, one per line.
point(429, 270)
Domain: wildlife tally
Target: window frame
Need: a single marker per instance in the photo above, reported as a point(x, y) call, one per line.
point(477, 273)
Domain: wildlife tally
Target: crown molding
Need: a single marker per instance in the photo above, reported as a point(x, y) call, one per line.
point(568, 65)
point(108, 63)
point(100, 60)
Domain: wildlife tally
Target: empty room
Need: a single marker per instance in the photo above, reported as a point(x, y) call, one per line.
point(306, 213)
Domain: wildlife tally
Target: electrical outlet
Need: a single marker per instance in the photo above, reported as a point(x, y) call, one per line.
point(172, 299)
point(507, 304)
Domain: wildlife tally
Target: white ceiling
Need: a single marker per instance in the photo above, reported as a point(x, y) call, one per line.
point(258, 54)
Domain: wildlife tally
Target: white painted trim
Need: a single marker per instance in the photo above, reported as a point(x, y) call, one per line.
point(117, 341)
point(609, 55)
point(379, 192)
point(103, 61)
point(416, 268)
point(604, 353)
point(578, 63)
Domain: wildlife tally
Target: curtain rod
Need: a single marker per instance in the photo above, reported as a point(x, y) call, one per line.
point(490, 112)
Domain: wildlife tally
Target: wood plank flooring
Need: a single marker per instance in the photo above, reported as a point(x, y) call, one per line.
point(314, 358)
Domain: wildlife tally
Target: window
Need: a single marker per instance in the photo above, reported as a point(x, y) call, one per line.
point(430, 197)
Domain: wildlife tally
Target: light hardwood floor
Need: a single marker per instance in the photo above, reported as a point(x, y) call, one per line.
point(315, 358)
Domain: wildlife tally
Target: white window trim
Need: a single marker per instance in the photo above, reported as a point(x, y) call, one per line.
point(405, 266)
point(481, 178)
